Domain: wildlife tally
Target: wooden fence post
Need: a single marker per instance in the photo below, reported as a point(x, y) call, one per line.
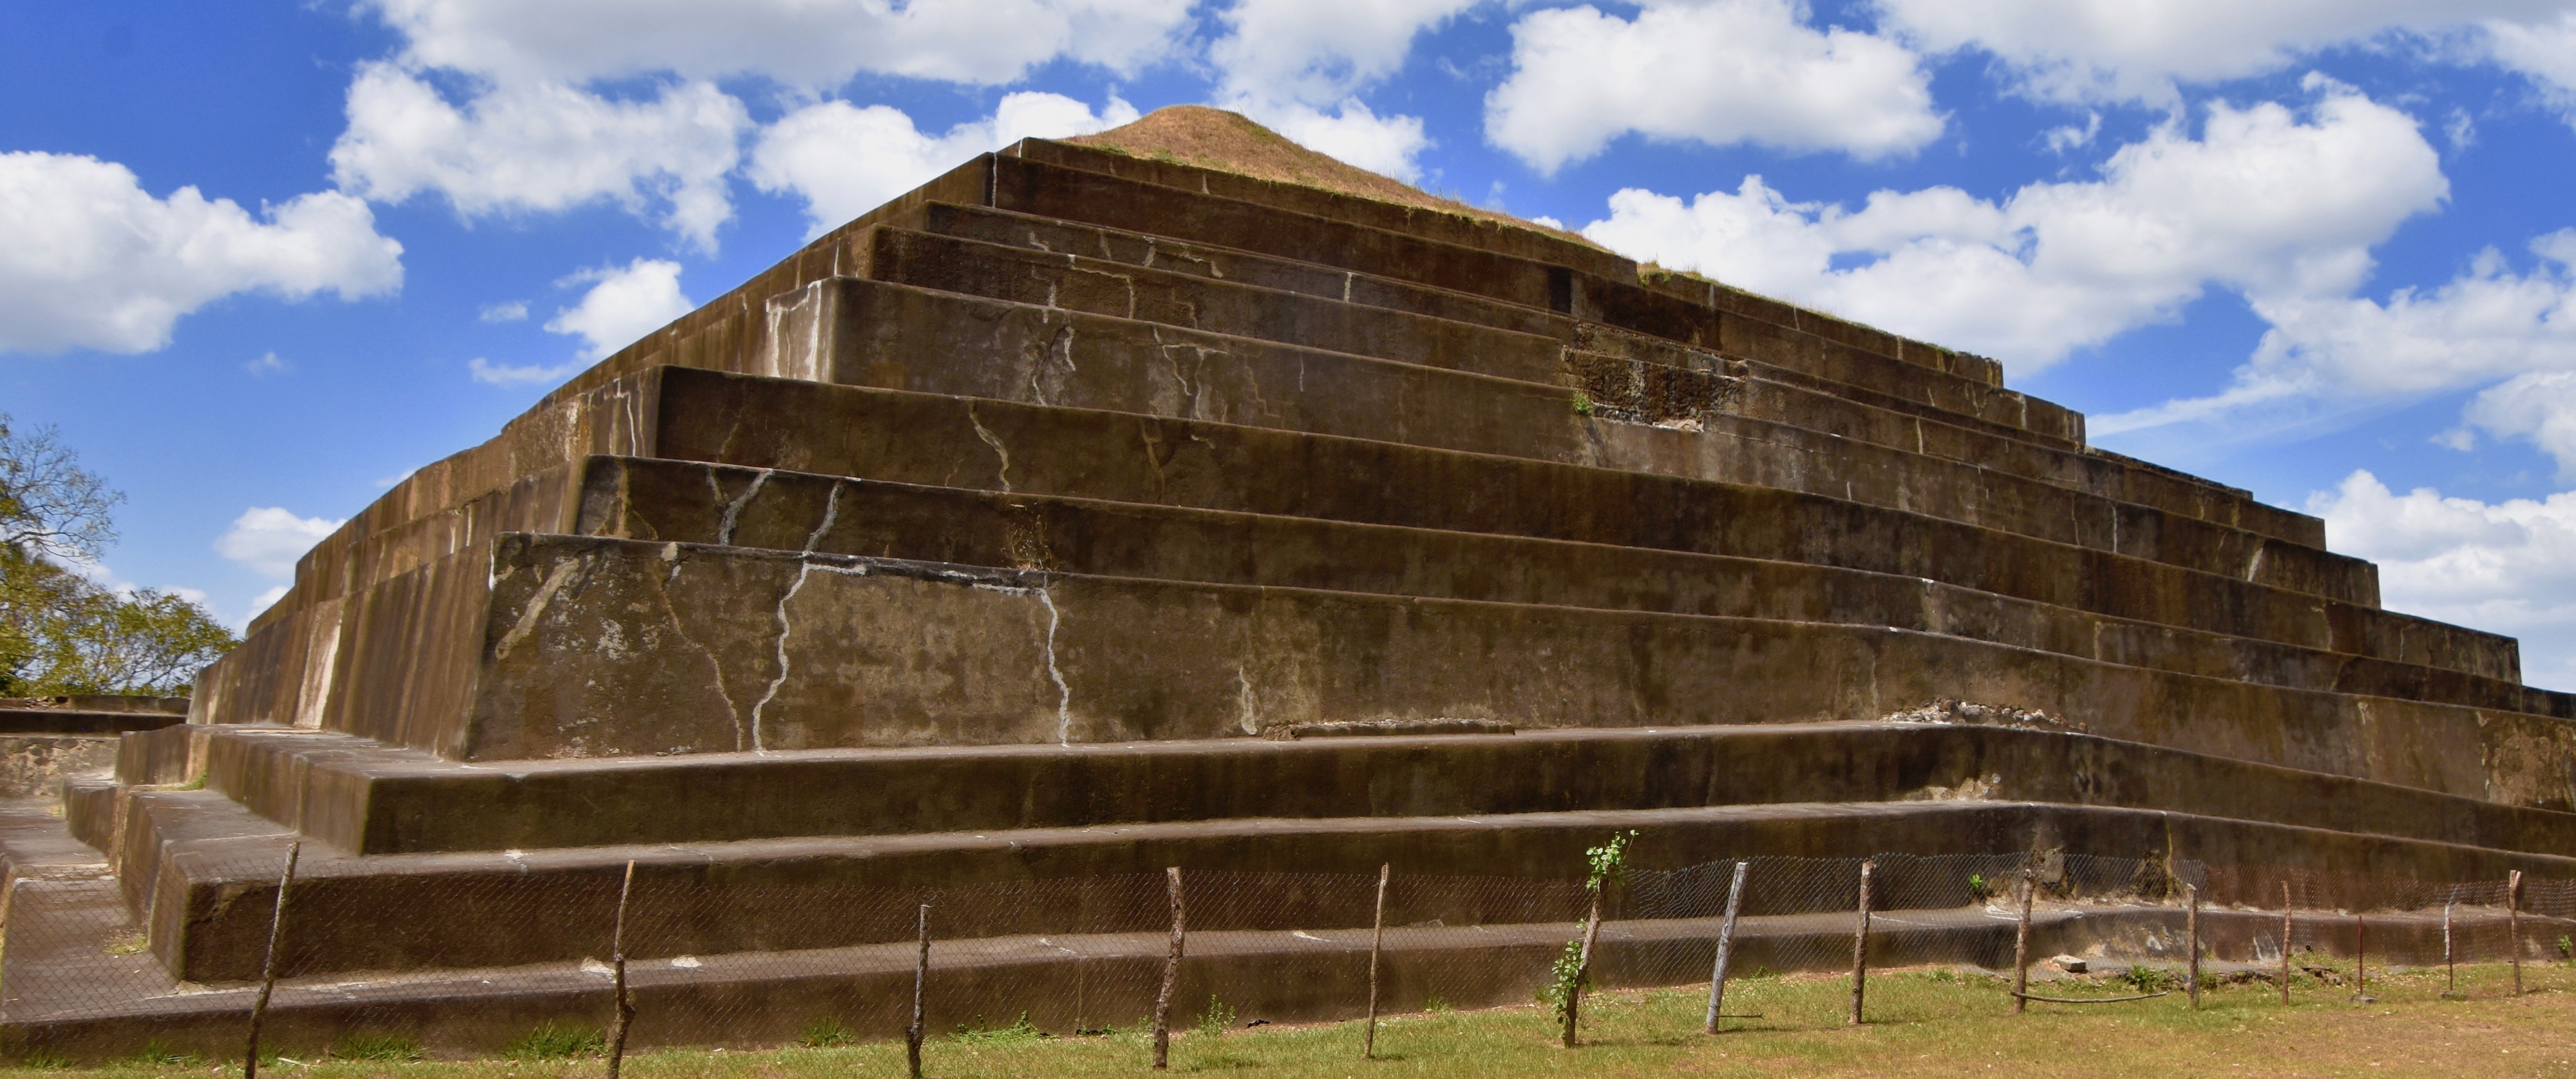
point(268, 966)
point(1171, 976)
point(2191, 933)
point(2360, 956)
point(2513, 923)
point(624, 1016)
point(1860, 943)
point(2450, 964)
point(2285, 942)
point(920, 981)
point(2021, 944)
point(1377, 947)
point(1725, 948)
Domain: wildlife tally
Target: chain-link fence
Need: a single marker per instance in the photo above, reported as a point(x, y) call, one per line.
point(465, 958)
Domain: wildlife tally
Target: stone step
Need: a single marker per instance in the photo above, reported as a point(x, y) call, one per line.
point(1590, 277)
point(208, 914)
point(806, 651)
point(1643, 380)
point(1045, 191)
point(1525, 242)
point(689, 502)
point(1627, 374)
point(1009, 447)
point(1923, 388)
point(364, 797)
point(873, 334)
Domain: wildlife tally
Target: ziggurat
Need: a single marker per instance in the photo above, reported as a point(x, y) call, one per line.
point(1042, 523)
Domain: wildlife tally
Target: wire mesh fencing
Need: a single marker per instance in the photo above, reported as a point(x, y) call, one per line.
point(465, 956)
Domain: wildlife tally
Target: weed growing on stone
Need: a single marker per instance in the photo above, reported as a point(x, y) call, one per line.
point(1020, 1032)
point(825, 1033)
point(1216, 1020)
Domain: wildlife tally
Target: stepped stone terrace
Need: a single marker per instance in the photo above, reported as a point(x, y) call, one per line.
point(1090, 510)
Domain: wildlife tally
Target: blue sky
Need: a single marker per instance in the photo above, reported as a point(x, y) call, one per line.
point(263, 260)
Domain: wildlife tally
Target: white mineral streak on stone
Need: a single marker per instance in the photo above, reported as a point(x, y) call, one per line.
point(1247, 714)
point(1004, 473)
point(1063, 693)
point(831, 514)
point(536, 608)
point(733, 509)
point(813, 362)
point(2254, 565)
point(805, 568)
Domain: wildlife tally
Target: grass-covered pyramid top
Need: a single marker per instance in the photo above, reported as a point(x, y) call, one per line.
point(1231, 142)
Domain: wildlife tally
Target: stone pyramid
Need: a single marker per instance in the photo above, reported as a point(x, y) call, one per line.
point(1088, 511)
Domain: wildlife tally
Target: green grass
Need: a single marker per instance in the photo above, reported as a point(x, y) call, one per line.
point(1923, 1023)
point(375, 1047)
point(552, 1042)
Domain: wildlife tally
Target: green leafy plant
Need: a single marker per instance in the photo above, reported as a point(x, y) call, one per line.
point(60, 631)
point(1567, 976)
point(1435, 1004)
point(2566, 947)
point(1582, 403)
point(1977, 885)
point(1019, 1032)
point(2146, 979)
point(1216, 1020)
point(825, 1033)
point(376, 1047)
point(551, 1041)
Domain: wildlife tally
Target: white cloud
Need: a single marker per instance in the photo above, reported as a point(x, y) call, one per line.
point(2540, 406)
point(262, 602)
point(2486, 324)
point(2506, 567)
point(1319, 52)
point(845, 159)
point(93, 261)
point(2544, 51)
point(516, 147)
point(1389, 145)
point(814, 44)
point(511, 311)
point(1712, 71)
point(2265, 201)
point(1298, 66)
point(269, 540)
point(505, 374)
point(622, 305)
point(2108, 50)
point(267, 364)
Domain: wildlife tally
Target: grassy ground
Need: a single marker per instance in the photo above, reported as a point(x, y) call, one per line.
point(1922, 1023)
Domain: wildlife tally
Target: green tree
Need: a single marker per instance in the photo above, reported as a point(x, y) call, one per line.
point(60, 632)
